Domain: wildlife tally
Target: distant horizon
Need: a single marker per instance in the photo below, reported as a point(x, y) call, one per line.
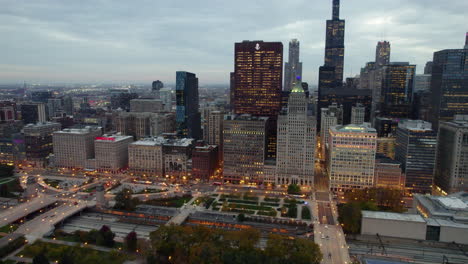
point(127, 43)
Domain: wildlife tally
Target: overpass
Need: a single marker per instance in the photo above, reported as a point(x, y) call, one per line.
point(22, 210)
point(45, 223)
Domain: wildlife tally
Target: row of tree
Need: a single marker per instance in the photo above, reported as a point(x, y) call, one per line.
point(186, 244)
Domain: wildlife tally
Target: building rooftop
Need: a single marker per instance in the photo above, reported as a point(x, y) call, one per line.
point(42, 124)
point(157, 141)
point(245, 117)
point(415, 125)
point(112, 138)
point(364, 128)
point(452, 202)
point(453, 206)
point(84, 130)
point(393, 216)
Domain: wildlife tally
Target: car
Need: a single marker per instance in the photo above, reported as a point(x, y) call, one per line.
point(326, 226)
point(323, 237)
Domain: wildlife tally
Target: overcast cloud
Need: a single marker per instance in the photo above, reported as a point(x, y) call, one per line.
point(140, 41)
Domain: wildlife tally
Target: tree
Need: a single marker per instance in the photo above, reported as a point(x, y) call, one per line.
point(6, 170)
point(124, 201)
point(282, 249)
point(294, 189)
point(350, 215)
point(4, 192)
point(241, 217)
point(131, 242)
point(40, 259)
point(105, 237)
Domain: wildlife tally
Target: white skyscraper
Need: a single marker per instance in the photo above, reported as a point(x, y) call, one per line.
point(331, 116)
point(292, 68)
point(358, 114)
point(351, 160)
point(296, 142)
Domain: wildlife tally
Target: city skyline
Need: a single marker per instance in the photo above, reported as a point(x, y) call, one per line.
point(125, 42)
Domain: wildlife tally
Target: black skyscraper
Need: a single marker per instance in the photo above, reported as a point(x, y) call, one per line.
point(331, 73)
point(334, 43)
point(188, 117)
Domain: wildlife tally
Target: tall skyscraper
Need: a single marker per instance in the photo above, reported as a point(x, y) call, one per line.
point(33, 113)
point(394, 96)
point(331, 73)
point(215, 130)
point(292, 68)
point(188, 116)
point(382, 53)
point(258, 78)
point(334, 43)
point(352, 157)
point(415, 149)
point(296, 142)
point(451, 170)
point(449, 85)
point(466, 41)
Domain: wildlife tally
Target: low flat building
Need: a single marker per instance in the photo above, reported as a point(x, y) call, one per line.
point(205, 161)
point(388, 173)
point(412, 226)
point(453, 207)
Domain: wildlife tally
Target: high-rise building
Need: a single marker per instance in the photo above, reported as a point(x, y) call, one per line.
point(68, 105)
point(428, 67)
point(382, 53)
point(111, 152)
point(451, 170)
point(73, 147)
point(296, 142)
point(292, 68)
point(215, 131)
point(466, 41)
point(166, 96)
point(351, 158)
point(188, 117)
point(177, 154)
point(422, 82)
point(334, 44)
point(157, 85)
point(232, 85)
point(120, 98)
point(358, 114)
point(415, 149)
point(144, 124)
point(449, 85)
point(33, 112)
point(364, 77)
point(147, 105)
point(244, 147)
point(258, 78)
point(422, 105)
point(38, 141)
point(331, 116)
point(386, 146)
point(394, 98)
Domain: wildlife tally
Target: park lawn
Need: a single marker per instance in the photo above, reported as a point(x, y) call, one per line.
point(53, 183)
point(170, 202)
point(80, 255)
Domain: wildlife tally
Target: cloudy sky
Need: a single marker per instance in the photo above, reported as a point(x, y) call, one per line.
point(142, 40)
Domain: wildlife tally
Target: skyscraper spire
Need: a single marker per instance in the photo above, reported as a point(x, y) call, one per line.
point(336, 10)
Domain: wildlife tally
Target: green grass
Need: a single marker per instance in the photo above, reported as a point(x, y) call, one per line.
point(306, 213)
point(250, 197)
point(80, 255)
point(242, 201)
point(250, 207)
point(270, 204)
point(149, 191)
point(237, 210)
point(170, 202)
point(8, 228)
point(53, 183)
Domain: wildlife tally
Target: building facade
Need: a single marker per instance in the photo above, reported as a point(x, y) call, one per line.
point(449, 85)
point(188, 116)
point(351, 158)
point(205, 162)
point(111, 152)
point(73, 147)
point(382, 53)
point(292, 68)
point(244, 147)
point(388, 173)
point(33, 113)
point(258, 74)
point(415, 149)
point(38, 141)
point(331, 116)
point(296, 142)
point(147, 105)
point(145, 157)
point(451, 170)
point(358, 114)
